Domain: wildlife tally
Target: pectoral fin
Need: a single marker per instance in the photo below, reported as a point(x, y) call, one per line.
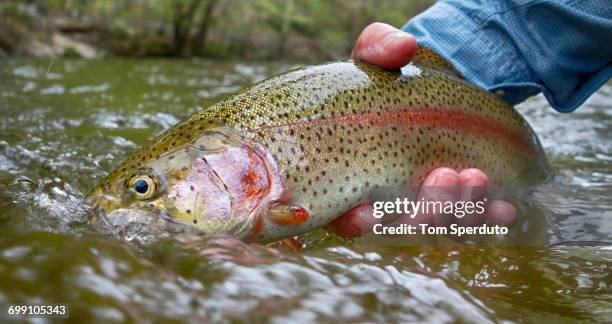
point(291, 244)
point(287, 215)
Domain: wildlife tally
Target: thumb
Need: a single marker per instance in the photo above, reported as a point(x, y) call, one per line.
point(385, 46)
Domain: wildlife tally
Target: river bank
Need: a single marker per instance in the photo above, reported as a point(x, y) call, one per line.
point(306, 31)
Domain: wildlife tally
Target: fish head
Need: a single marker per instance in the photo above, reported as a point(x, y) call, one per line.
point(218, 183)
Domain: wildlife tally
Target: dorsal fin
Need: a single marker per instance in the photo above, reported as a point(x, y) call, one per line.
point(426, 57)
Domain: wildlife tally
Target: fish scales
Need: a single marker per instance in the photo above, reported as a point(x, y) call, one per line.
point(335, 129)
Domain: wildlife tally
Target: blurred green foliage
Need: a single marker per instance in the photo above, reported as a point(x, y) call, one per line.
point(304, 29)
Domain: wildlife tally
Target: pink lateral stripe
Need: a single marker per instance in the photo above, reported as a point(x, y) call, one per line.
point(449, 119)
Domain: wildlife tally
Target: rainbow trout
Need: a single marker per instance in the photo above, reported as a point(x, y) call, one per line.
point(292, 153)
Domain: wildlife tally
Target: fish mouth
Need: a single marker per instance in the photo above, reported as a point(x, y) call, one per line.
point(139, 223)
point(98, 200)
point(108, 214)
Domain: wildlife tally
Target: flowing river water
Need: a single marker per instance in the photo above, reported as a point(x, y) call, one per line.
point(65, 123)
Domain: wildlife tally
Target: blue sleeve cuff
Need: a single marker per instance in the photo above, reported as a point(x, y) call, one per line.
point(519, 49)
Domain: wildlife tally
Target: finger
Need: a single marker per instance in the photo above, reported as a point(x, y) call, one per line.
point(441, 185)
point(355, 222)
point(500, 212)
point(474, 184)
point(385, 46)
point(442, 177)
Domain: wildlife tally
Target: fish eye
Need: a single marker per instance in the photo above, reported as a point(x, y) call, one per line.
point(143, 186)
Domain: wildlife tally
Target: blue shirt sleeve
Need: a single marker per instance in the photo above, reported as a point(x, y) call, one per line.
point(562, 48)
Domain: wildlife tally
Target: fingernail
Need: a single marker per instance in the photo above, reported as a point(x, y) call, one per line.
point(446, 180)
point(393, 38)
point(473, 182)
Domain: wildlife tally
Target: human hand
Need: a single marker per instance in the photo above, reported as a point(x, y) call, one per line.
point(447, 185)
point(390, 48)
